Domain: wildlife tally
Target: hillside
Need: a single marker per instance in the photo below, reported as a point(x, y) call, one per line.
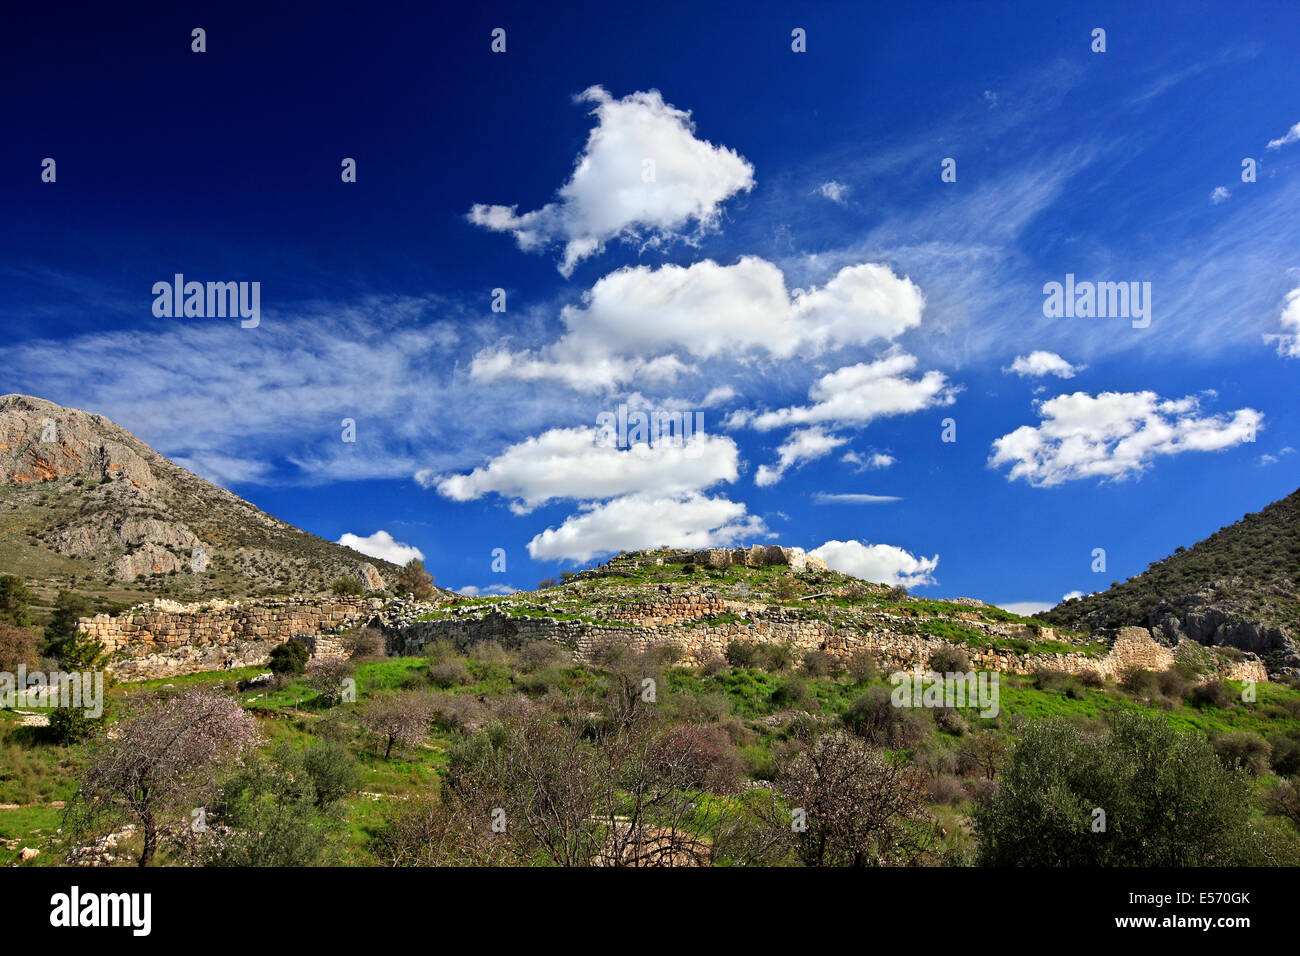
point(86, 505)
point(1240, 587)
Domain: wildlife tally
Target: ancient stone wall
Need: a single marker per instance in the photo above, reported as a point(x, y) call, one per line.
point(1133, 647)
point(167, 639)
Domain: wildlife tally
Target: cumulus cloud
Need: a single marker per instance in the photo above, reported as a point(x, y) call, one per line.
point(1071, 595)
point(802, 445)
point(1267, 459)
point(634, 321)
point(647, 521)
point(858, 394)
point(573, 463)
point(1114, 435)
point(382, 546)
point(1288, 342)
point(643, 176)
point(824, 498)
point(834, 191)
point(879, 563)
point(1040, 363)
point(1220, 194)
point(1292, 135)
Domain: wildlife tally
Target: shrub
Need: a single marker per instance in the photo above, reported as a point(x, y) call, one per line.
point(1173, 683)
point(334, 772)
point(1212, 693)
point(951, 722)
point(945, 789)
point(775, 657)
point(874, 718)
point(713, 665)
point(863, 667)
point(449, 673)
point(791, 692)
point(69, 608)
point(821, 664)
point(347, 586)
point(1140, 682)
point(1286, 754)
point(17, 646)
point(1249, 750)
point(741, 653)
point(366, 643)
point(540, 655)
point(440, 650)
point(949, 660)
point(289, 658)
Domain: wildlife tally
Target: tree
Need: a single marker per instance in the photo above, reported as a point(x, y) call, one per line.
point(17, 646)
point(69, 608)
point(397, 720)
point(413, 579)
point(163, 760)
point(14, 600)
point(83, 655)
point(860, 807)
point(1139, 794)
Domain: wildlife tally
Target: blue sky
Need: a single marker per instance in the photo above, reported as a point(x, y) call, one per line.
point(684, 215)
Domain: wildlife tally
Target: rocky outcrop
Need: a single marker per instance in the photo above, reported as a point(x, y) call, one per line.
point(719, 559)
point(90, 500)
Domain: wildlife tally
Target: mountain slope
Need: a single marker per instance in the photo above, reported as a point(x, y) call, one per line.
point(86, 504)
point(1239, 587)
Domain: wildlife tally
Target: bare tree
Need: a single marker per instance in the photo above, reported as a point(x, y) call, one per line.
point(397, 720)
point(858, 806)
point(159, 762)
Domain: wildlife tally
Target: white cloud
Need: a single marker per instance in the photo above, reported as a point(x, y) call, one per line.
point(470, 590)
point(647, 521)
point(879, 563)
point(382, 546)
point(1220, 194)
point(834, 191)
point(612, 193)
point(1071, 595)
point(1292, 135)
point(858, 394)
point(825, 498)
point(1114, 435)
point(572, 463)
point(1040, 363)
point(1025, 608)
point(874, 460)
point(1267, 459)
point(800, 446)
point(718, 395)
point(633, 321)
point(1288, 342)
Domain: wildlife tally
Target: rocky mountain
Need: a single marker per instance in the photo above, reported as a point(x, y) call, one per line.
point(85, 504)
point(1240, 587)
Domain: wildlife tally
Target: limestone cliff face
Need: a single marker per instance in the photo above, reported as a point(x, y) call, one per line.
point(89, 498)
